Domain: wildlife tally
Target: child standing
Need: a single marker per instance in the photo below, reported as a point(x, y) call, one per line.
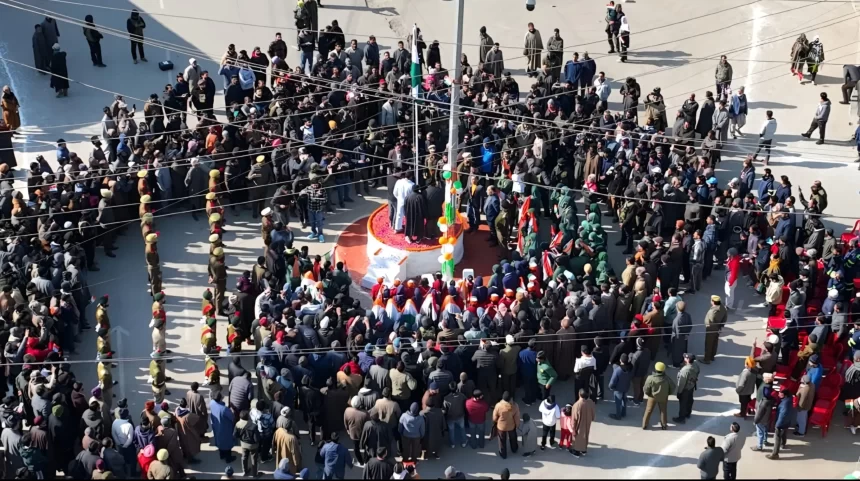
point(566, 427)
point(550, 414)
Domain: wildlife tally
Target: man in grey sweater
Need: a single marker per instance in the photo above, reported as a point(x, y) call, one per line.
point(733, 447)
point(710, 459)
point(822, 114)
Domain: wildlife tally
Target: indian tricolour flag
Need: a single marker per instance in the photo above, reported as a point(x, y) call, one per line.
point(415, 73)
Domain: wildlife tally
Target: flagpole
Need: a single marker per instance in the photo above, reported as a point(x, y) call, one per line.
point(415, 149)
point(454, 117)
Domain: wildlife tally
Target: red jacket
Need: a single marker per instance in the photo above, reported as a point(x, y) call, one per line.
point(733, 267)
point(476, 410)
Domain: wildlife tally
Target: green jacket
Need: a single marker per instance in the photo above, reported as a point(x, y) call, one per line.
point(659, 387)
point(688, 376)
point(546, 375)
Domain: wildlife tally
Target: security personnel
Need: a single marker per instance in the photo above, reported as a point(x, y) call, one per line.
point(207, 303)
point(213, 205)
point(208, 340)
point(158, 379)
point(153, 262)
point(142, 184)
point(106, 382)
point(213, 377)
point(234, 334)
point(215, 181)
point(215, 224)
point(267, 225)
point(214, 243)
point(102, 317)
point(144, 208)
point(103, 347)
point(147, 225)
point(218, 273)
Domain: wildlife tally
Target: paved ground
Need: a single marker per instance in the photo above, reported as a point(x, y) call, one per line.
point(674, 47)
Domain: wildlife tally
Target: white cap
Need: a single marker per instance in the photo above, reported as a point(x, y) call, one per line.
point(509, 339)
point(266, 211)
point(67, 225)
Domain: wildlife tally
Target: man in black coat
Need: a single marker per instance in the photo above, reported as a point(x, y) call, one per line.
point(379, 467)
point(416, 215)
point(435, 197)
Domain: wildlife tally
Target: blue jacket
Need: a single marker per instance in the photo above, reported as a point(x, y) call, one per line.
point(221, 419)
point(411, 426)
point(783, 192)
point(785, 413)
point(709, 237)
point(816, 374)
point(620, 380)
point(335, 458)
point(487, 156)
point(572, 72)
point(764, 186)
point(784, 228)
point(527, 363)
point(588, 68)
point(492, 208)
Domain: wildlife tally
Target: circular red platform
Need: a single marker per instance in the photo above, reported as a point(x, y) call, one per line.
point(351, 246)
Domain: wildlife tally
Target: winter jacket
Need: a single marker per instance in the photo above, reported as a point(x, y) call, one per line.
point(733, 447)
point(506, 416)
point(659, 387)
point(620, 380)
point(549, 413)
point(746, 383)
point(546, 375)
point(822, 112)
point(709, 462)
point(411, 426)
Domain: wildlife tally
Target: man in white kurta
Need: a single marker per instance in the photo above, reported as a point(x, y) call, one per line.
point(402, 189)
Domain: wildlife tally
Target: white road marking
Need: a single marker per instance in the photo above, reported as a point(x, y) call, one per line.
point(679, 444)
point(757, 26)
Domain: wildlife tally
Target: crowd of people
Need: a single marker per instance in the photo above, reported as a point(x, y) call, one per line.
point(431, 363)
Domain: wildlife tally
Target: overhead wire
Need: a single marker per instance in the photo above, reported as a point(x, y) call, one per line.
point(575, 337)
point(406, 98)
point(553, 188)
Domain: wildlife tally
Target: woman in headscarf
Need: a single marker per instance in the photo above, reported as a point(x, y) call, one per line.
point(286, 444)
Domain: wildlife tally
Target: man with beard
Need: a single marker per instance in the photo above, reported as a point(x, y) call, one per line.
point(416, 214)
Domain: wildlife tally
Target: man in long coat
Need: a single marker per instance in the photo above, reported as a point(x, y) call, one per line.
point(494, 63)
point(221, 419)
point(197, 405)
point(286, 444)
point(402, 190)
point(582, 415)
point(196, 181)
point(485, 45)
point(566, 357)
point(416, 214)
point(41, 50)
point(555, 53)
point(187, 428)
point(532, 48)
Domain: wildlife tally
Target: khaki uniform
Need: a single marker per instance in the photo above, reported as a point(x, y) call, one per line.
point(266, 228)
point(159, 380)
point(106, 382)
point(102, 317)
